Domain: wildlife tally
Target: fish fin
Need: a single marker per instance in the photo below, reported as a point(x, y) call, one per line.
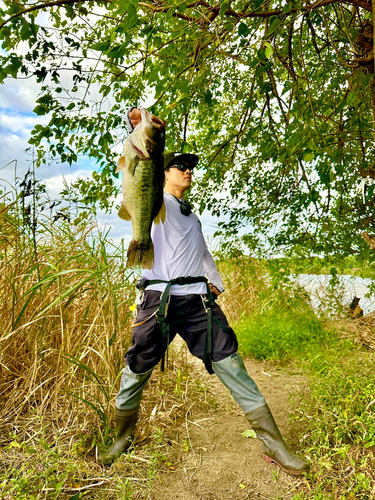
point(133, 165)
point(161, 215)
point(123, 213)
point(121, 164)
point(140, 254)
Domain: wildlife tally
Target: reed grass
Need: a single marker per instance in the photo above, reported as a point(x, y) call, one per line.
point(65, 306)
point(360, 330)
point(66, 323)
point(65, 319)
point(247, 287)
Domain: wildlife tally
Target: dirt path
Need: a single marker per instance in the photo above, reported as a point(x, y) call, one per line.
point(212, 461)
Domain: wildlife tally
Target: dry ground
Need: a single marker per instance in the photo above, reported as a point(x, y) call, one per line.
point(210, 460)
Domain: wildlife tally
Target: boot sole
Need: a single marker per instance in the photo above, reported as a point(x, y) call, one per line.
point(288, 471)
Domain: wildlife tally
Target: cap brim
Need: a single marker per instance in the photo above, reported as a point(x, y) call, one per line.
point(189, 158)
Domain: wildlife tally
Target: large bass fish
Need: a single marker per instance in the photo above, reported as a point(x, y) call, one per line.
point(142, 166)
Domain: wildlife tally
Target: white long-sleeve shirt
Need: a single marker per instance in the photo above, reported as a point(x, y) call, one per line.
point(180, 250)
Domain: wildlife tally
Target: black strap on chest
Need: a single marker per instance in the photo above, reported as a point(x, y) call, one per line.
point(162, 312)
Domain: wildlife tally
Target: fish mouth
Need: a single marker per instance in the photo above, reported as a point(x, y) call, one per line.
point(138, 150)
point(156, 121)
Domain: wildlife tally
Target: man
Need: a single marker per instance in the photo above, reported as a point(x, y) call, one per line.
point(177, 299)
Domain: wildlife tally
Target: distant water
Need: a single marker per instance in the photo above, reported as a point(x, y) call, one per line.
point(349, 288)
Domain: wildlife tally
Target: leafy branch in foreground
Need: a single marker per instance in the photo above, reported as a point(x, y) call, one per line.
point(277, 98)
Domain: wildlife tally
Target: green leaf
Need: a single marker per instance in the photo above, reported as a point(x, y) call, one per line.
point(182, 7)
point(250, 103)
point(132, 16)
point(157, 42)
point(117, 51)
point(352, 98)
point(101, 46)
point(208, 97)
point(308, 156)
point(223, 8)
point(243, 30)
point(112, 339)
point(249, 433)
point(14, 444)
point(365, 78)
point(269, 50)
point(295, 139)
point(40, 110)
point(100, 381)
point(99, 409)
point(275, 23)
point(170, 13)
point(123, 7)
point(341, 106)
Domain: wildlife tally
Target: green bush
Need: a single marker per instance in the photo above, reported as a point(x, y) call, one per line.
point(280, 333)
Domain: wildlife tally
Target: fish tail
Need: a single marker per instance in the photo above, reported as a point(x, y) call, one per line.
point(140, 254)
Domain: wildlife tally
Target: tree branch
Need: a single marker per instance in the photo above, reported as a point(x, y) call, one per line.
point(345, 63)
point(370, 240)
point(306, 8)
point(45, 6)
point(213, 10)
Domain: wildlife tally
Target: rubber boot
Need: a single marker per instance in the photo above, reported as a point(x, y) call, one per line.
point(125, 423)
point(274, 448)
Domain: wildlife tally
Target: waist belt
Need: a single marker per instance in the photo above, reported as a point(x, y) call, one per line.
point(161, 314)
point(183, 280)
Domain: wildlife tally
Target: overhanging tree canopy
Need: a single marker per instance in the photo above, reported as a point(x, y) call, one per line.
point(277, 98)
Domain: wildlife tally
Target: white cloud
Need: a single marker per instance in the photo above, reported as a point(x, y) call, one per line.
point(19, 95)
point(56, 184)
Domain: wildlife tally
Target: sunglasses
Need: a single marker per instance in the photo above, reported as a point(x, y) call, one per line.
point(182, 167)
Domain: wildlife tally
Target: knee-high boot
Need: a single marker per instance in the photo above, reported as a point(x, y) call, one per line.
point(274, 448)
point(127, 407)
point(233, 374)
point(125, 424)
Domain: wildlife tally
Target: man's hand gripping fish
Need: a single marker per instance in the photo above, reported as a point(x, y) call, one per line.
point(142, 186)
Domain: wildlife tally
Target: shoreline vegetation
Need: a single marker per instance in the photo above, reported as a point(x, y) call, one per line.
point(66, 309)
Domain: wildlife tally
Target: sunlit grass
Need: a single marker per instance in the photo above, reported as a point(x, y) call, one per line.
point(65, 318)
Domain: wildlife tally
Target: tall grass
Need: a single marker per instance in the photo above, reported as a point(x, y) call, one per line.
point(272, 316)
point(65, 301)
point(65, 318)
point(245, 281)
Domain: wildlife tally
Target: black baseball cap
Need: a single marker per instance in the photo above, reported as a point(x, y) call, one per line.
point(175, 158)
